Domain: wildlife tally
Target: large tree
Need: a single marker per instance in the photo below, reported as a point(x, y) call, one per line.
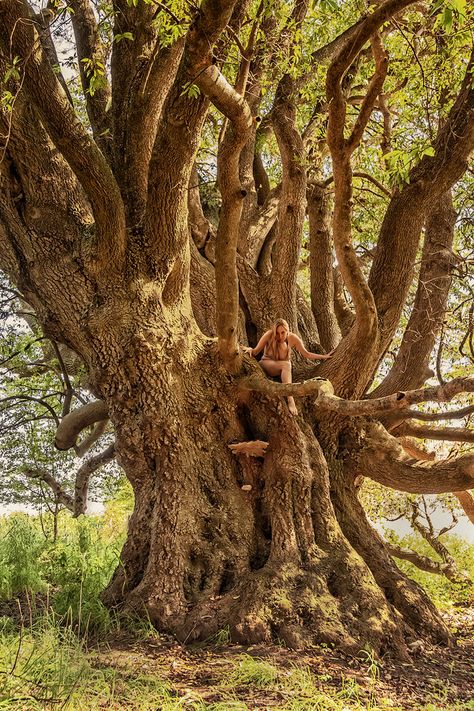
point(152, 277)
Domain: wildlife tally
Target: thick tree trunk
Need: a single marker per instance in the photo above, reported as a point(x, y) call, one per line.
point(203, 555)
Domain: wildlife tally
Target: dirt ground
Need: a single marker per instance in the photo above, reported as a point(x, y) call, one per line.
point(437, 677)
point(220, 676)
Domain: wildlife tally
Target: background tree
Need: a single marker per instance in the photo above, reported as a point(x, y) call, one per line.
point(293, 108)
point(41, 382)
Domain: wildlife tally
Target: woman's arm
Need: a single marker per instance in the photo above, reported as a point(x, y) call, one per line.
point(296, 342)
point(260, 345)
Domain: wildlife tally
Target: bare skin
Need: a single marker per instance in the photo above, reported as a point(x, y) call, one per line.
point(281, 366)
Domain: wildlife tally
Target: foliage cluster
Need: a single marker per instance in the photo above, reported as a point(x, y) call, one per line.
point(65, 575)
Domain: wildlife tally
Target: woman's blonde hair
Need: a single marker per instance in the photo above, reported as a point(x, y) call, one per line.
point(272, 350)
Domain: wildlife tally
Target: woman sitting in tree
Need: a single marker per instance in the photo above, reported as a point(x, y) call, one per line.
point(276, 360)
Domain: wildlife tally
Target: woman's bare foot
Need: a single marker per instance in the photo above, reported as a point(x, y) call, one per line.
point(292, 406)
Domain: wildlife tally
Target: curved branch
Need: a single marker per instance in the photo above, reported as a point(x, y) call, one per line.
point(19, 37)
point(392, 268)
point(449, 434)
point(435, 416)
point(60, 495)
point(83, 476)
point(427, 532)
point(374, 181)
point(445, 476)
point(410, 368)
point(373, 91)
point(17, 399)
point(85, 444)
point(383, 459)
point(90, 49)
point(349, 43)
point(341, 150)
point(422, 562)
point(292, 206)
point(259, 383)
point(73, 424)
point(466, 500)
point(174, 151)
point(355, 408)
point(233, 105)
point(142, 75)
point(415, 450)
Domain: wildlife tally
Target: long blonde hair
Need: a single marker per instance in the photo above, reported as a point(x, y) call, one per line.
point(272, 349)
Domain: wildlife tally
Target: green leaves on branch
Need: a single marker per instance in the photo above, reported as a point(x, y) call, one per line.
point(399, 163)
point(95, 73)
point(12, 73)
point(449, 12)
point(171, 21)
point(13, 70)
point(192, 91)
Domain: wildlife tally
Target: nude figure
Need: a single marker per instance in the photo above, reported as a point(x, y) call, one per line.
point(276, 360)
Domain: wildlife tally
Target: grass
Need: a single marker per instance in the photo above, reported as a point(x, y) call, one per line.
point(53, 621)
point(253, 672)
point(48, 666)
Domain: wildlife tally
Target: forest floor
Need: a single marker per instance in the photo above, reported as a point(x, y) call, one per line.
point(126, 670)
point(224, 676)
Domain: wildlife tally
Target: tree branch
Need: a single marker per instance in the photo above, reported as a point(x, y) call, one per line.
point(44, 19)
point(73, 424)
point(321, 272)
point(341, 150)
point(260, 225)
point(62, 496)
point(423, 562)
point(383, 459)
point(165, 252)
point(85, 444)
point(449, 434)
point(233, 105)
point(19, 37)
point(467, 502)
point(392, 268)
point(90, 51)
point(428, 533)
point(142, 75)
point(373, 91)
point(355, 408)
point(410, 368)
point(435, 416)
point(291, 208)
point(83, 476)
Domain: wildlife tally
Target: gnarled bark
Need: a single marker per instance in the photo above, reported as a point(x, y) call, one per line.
point(410, 368)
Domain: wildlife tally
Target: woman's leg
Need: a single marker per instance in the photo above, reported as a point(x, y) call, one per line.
point(283, 369)
point(286, 378)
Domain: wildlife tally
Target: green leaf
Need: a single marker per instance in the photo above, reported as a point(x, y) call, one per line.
point(447, 19)
point(124, 35)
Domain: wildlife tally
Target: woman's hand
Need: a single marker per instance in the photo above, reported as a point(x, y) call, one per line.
point(247, 349)
point(324, 356)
